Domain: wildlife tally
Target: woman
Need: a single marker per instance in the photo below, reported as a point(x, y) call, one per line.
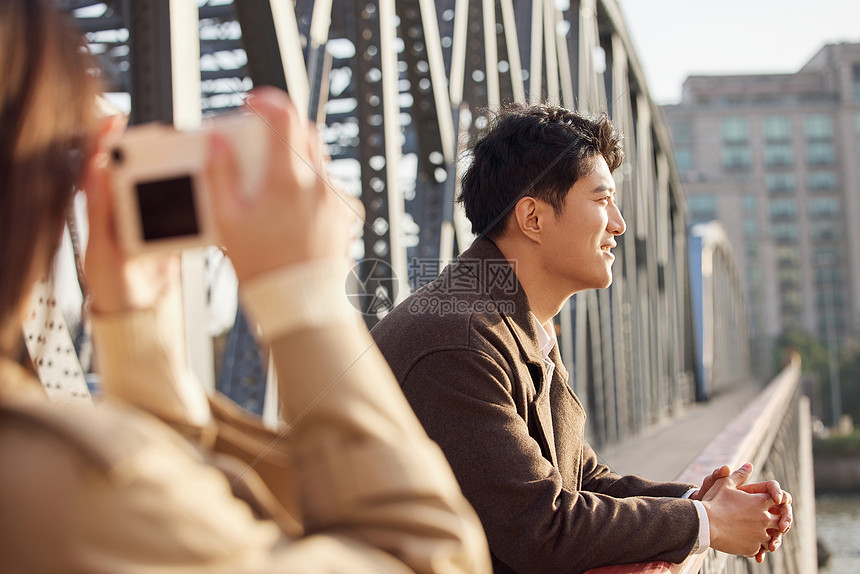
point(351, 484)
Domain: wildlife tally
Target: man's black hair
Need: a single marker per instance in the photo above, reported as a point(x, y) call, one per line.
point(537, 151)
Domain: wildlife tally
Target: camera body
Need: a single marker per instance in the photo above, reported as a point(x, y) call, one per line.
point(161, 198)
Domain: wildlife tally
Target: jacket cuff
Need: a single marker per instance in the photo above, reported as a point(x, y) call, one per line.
point(142, 360)
point(300, 296)
point(703, 542)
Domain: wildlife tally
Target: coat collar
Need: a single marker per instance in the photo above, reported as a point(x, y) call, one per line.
point(498, 279)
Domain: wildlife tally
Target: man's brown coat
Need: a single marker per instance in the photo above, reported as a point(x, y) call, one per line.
point(465, 351)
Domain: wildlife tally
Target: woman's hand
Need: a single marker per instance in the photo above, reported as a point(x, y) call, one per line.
point(296, 214)
point(117, 282)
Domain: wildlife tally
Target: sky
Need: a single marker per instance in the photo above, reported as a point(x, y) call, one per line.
point(678, 38)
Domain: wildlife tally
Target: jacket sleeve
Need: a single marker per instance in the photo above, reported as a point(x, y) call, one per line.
point(598, 477)
point(370, 488)
point(364, 465)
point(532, 522)
point(149, 507)
point(141, 359)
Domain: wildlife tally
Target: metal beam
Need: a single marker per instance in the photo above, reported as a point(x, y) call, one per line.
point(391, 126)
point(491, 54)
point(536, 65)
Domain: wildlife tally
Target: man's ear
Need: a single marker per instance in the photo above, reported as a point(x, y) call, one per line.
point(528, 217)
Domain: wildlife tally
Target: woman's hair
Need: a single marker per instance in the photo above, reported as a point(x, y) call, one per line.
point(47, 117)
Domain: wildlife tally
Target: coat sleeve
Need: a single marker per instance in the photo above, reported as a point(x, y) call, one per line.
point(364, 465)
point(362, 473)
point(532, 522)
point(598, 477)
point(141, 359)
point(155, 510)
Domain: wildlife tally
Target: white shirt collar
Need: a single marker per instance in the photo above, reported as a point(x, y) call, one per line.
point(546, 336)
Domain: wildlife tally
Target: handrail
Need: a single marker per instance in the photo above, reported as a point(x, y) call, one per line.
point(747, 438)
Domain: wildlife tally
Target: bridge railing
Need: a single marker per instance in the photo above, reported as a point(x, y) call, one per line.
point(774, 433)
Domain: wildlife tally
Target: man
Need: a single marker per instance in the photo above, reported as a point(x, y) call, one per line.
point(476, 356)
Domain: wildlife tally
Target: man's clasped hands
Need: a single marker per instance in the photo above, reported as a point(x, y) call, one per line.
point(744, 519)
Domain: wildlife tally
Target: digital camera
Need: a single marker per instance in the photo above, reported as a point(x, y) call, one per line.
point(160, 195)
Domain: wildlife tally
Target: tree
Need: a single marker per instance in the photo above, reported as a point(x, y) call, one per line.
point(815, 361)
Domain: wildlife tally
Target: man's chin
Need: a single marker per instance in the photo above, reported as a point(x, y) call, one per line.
point(606, 281)
point(584, 284)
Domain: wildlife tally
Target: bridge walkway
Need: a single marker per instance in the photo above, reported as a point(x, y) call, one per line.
point(662, 452)
point(769, 427)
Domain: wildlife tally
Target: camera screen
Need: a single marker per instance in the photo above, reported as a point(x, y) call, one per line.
point(167, 208)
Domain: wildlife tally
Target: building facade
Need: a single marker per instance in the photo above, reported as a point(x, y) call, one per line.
point(775, 159)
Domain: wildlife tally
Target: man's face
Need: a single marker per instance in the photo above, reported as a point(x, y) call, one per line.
point(577, 243)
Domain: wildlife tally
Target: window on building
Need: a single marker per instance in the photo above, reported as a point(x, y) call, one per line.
point(754, 275)
point(790, 298)
point(750, 228)
point(857, 123)
point(752, 250)
point(682, 134)
point(737, 157)
point(778, 155)
point(792, 322)
point(818, 127)
point(824, 207)
point(784, 232)
point(824, 231)
point(831, 319)
point(786, 256)
point(822, 181)
point(735, 130)
point(828, 275)
point(755, 294)
point(856, 81)
point(826, 255)
point(839, 321)
point(819, 153)
point(750, 204)
point(684, 157)
point(702, 208)
point(783, 209)
point(777, 128)
point(789, 277)
point(766, 99)
point(826, 300)
point(778, 182)
point(791, 317)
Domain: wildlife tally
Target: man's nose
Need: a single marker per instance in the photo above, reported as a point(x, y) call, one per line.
point(616, 225)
